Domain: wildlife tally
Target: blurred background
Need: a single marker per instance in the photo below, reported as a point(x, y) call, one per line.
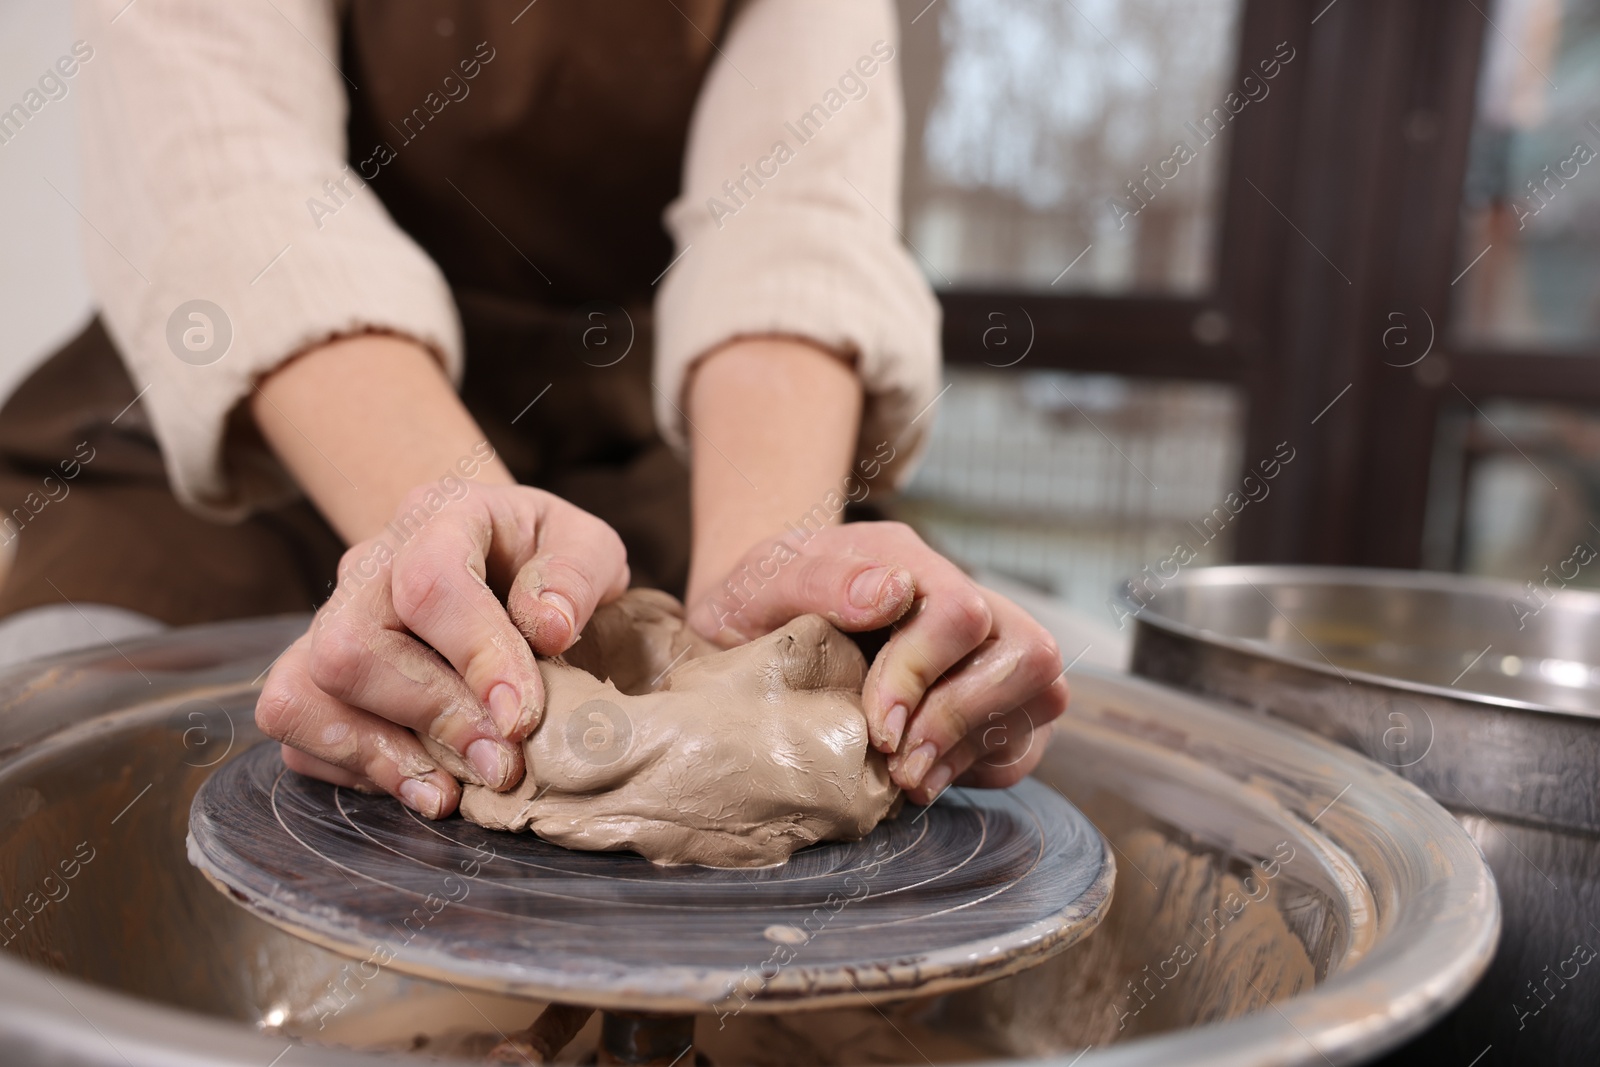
point(1378, 251)
point(44, 294)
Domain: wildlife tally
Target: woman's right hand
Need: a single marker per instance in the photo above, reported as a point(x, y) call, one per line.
point(433, 627)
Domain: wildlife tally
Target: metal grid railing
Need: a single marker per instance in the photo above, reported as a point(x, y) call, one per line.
point(1074, 482)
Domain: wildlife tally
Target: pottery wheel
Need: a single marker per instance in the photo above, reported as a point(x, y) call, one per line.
point(981, 884)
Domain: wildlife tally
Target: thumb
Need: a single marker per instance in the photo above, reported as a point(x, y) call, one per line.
point(770, 589)
point(580, 564)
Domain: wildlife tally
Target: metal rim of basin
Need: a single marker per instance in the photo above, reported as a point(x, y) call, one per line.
point(1431, 946)
point(1410, 957)
point(1151, 615)
point(1484, 752)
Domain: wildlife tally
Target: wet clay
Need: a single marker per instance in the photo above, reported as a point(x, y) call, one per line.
point(655, 740)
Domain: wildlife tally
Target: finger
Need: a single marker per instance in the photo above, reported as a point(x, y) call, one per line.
point(292, 710)
point(950, 619)
point(986, 775)
point(580, 564)
point(1020, 661)
point(775, 585)
point(358, 659)
point(440, 593)
point(312, 767)
point(1002, 750)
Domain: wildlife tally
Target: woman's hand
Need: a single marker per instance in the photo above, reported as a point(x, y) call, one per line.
point(433, 627)
point(967, 686)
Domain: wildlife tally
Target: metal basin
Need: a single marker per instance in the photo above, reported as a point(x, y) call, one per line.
point(1279, 901)
point(1482, 693)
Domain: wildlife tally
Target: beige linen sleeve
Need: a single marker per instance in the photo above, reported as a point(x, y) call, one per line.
point(788, 219)
point(208, 131)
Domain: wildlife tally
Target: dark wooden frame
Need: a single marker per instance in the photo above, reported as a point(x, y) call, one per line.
point(1341, 209)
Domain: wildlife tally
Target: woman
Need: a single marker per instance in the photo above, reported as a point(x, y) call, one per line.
point(308, 221)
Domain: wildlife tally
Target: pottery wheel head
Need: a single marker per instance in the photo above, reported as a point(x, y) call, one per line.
point(982, 884)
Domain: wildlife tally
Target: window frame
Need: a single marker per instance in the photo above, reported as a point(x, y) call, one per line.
point(1340, 208)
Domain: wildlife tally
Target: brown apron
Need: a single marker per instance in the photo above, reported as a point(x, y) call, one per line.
point(563, 149)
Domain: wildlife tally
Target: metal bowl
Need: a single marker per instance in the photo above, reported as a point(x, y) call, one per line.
point(1377, 904)
point(1448, 635)
point(1483, 693)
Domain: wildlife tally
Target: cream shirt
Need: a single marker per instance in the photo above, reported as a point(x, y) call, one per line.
point(208, 126)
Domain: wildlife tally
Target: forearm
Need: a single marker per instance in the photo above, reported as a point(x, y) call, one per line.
point(360, 422)
point(774, 432)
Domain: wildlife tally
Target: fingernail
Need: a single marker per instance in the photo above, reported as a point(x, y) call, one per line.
point(422, 797)
point(491, 760)
point(865, 590)
point(564, 608)
point(937, 779)
point(505, 708)
point(916, 765)
point(894, 724)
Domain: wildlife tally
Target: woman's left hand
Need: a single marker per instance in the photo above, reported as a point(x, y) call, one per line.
point(967, 686)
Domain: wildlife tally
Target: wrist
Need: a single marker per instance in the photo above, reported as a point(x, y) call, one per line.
point(362, 421)
point(774, 422)
point(714, 561)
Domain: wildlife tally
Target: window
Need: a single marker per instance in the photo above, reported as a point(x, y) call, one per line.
point(1042, 141)
point(1530, 232)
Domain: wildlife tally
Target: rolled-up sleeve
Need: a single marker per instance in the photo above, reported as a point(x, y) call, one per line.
point(789, 218)
point(214, 170)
